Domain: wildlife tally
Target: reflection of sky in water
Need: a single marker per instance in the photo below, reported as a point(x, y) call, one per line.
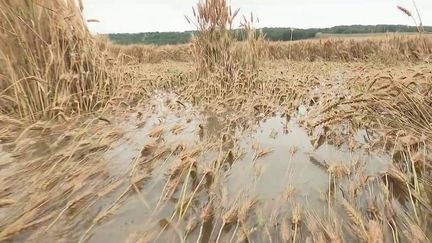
point(266, 178)
point(279, 169)
point(135, 138)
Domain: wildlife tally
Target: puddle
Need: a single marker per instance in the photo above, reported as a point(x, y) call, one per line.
point(176, 129)
point(279, 162)
point(294, 165)
point(179, 126)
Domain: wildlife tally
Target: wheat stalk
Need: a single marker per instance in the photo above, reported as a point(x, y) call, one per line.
point(356, 220)
point(409, 14)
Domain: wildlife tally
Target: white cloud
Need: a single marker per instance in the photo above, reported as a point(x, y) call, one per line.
point(118, 16)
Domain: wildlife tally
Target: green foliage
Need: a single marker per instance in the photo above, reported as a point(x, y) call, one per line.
point(284, 34)
point(272, 34)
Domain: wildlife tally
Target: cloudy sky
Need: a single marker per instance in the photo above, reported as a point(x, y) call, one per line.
point(120, 16)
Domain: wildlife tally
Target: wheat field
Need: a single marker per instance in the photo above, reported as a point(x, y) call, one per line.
point(326, 140)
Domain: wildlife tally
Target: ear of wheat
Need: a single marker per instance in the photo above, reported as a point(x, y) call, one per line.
point(405, 10)
point(409, 14)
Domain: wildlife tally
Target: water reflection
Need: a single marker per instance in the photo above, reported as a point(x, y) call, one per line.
point(276, 161)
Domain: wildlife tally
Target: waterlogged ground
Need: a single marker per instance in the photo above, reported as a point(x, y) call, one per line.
point(275, 163)
point(166, 170)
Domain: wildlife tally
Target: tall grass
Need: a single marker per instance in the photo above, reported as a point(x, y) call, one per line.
point(216, 50)
point(212, 45)
point(131, 54)
point(389, 48)
point(254, 46)
point(50, 66)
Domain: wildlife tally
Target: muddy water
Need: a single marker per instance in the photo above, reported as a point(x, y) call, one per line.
point(179, 126)
point(138, 126)
point(279, 161)
point(293, 166)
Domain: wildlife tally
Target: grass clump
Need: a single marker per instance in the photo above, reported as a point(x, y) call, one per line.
point(216, 50)
point(50, 66)
point(213, 43)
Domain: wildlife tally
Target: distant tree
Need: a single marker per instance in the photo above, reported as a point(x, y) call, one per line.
point(272, 34)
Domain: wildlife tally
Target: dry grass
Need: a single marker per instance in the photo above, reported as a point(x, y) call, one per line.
point(50, 65)
point(212, 46)
point(136, 54)
point(392, 48)
point(216, 51)
point(387, 48)
point(396, 103)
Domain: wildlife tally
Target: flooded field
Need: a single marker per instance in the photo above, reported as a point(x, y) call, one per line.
point(264, 169)
point(186, 161)
point(285, 164)
point(228, 138)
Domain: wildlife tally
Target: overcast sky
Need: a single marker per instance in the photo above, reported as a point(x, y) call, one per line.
point(121, 16)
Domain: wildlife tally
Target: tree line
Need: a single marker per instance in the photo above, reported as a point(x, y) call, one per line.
point(272, 34)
